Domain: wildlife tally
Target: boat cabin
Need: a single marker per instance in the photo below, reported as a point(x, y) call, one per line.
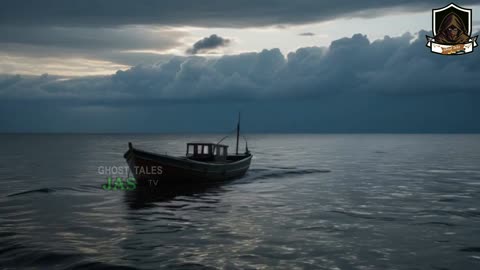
point(207, 151)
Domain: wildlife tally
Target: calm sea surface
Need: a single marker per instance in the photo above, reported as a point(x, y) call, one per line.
point(308, 202)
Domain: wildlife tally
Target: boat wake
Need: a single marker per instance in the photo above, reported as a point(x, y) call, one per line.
point(46, 190)
point(40, 190)
point(280, 173)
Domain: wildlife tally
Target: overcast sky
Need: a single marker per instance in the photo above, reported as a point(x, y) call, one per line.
point(289, 66)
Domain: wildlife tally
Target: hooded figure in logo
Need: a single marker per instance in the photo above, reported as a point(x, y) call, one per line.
point(452, 31)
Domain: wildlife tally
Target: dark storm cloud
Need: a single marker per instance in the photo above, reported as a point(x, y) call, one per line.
point(354, 85)
point(350, 65)
point(208, 43)
point(227, 13)
point(307, 34)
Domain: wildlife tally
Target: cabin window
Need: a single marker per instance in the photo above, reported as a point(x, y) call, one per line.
point(190, 149)
point(205, 150)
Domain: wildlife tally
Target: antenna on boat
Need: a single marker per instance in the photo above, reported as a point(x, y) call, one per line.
point(246, 145)
point(238, 132)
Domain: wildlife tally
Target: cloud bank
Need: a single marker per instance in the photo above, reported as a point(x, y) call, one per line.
point(398, 65)
point(353, 83)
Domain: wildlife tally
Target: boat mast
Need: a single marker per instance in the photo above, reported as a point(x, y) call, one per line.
point(238, 132)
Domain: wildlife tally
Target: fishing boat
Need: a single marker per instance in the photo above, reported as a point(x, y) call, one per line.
point(204, 162)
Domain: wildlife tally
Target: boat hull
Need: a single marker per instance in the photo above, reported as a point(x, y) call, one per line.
point(156, 169)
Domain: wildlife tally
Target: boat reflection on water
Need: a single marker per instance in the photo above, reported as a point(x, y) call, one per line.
point(146, 195)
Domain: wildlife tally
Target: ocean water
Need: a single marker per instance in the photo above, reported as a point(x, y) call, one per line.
point(308, 202)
